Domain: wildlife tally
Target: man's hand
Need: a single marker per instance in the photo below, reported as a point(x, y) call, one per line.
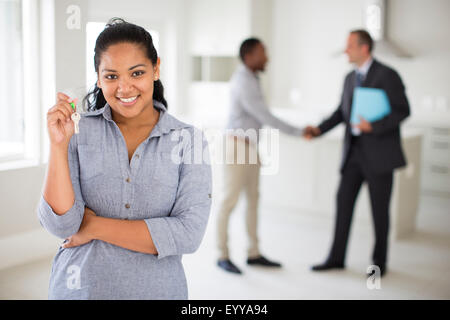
point(82, 236)
point(311, 132)
point(363, 125)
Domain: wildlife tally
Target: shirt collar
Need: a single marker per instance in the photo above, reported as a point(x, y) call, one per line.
point(365, 67)
point(165, 124)
point(243, 68)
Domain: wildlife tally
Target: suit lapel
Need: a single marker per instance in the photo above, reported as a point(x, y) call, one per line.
point(351, 89)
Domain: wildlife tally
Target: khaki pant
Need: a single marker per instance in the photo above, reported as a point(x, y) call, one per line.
point(239, 177)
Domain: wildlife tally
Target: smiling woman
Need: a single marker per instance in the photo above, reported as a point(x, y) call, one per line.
point(93, 30)
point(130, 88)
point(127, 210)
point(126, 34)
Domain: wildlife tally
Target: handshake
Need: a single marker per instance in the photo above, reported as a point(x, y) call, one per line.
point(363, 126)
point(311, 132)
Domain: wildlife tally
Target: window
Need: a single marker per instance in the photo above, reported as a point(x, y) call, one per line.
point(93, 29)
point(11, 81)
point(19, 83)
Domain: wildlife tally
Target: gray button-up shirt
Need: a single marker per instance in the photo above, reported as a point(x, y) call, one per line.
point(248, 107)
point(167, 184)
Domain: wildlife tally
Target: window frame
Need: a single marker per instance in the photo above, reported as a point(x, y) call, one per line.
point(30, 88)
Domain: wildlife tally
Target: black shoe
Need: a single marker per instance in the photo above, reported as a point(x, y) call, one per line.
point(263, 262)
point(327, 266)
point(227, 265)
point(383, 270)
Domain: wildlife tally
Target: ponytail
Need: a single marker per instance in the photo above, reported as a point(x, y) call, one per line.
point(95, 99)
point(158, 92)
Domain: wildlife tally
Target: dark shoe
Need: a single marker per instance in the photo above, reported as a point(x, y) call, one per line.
point(327, 266)
point(383, 270)
point(227, 265)
point(263, 262)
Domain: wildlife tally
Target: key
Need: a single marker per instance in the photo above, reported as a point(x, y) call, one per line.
point(76, 118)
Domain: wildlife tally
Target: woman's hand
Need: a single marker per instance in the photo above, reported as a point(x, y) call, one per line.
point(59, 123)
point(83, 235)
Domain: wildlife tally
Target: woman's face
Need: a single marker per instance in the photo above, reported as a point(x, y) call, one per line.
point(126, 76)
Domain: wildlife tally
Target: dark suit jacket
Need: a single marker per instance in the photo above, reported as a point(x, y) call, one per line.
point(382, 147)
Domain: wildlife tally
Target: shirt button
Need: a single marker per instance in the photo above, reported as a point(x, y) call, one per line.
point(127, 206)
point(128, 180)
point(136, 156)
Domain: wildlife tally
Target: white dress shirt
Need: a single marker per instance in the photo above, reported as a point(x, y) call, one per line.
point(249, 109)
point(363, 71)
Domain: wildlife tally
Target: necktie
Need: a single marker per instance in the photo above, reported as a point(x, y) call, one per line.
point(359, 79)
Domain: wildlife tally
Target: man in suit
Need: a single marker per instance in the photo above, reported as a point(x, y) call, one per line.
point(372, 150)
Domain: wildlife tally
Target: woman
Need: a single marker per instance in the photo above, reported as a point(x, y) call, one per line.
point(124, 192)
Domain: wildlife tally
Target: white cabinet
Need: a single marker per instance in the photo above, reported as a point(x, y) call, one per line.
point(436, 159)
point(435, 156)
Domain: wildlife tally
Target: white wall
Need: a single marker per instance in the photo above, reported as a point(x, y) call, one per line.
point(217, 28)
point(307, 33)
point(70, 47)
point(424, 28)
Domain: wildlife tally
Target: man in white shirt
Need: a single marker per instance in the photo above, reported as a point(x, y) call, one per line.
point(248, 114)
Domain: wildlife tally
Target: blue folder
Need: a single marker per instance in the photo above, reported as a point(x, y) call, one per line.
point(370, 103)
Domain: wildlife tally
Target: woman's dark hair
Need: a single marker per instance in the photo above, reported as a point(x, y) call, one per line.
point(247, 46)
point(116, 31)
